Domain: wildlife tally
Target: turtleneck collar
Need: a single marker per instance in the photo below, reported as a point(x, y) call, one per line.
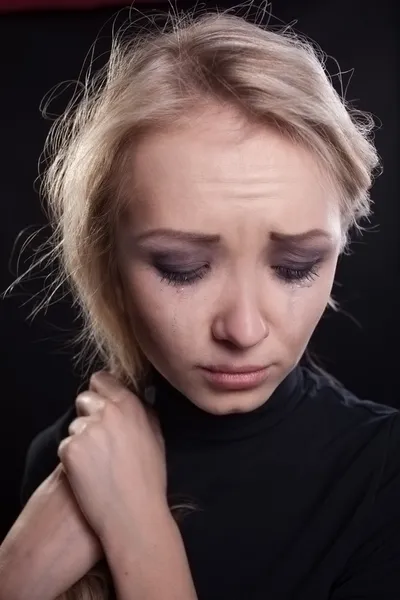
point(180, 419)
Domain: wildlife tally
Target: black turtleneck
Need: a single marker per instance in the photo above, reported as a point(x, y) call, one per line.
point(296, 500)
point(184, 423)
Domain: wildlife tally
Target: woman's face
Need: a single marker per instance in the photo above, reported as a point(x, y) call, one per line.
point(228, 258)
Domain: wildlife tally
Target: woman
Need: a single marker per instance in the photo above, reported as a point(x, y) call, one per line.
point(202, 193)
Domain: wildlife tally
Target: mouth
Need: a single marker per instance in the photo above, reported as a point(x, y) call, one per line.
point(235, 378)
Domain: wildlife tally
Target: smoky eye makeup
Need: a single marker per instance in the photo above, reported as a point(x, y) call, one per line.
point(178, 259)
point(179, 267)
point(300, 255)
point(297, 273)
point(299, 265)
point(295, 264)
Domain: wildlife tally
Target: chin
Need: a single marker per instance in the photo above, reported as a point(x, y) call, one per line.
point(224, 403)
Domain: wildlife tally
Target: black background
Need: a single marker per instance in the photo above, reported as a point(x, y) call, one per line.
point(40, 50)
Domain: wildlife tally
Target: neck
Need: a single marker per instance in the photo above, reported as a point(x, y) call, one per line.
point(181, 419)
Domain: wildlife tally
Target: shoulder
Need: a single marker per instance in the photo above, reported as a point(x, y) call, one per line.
point(355, 433)
point(361, 438)
point(41, 458)
point(327, 396)
point(362, 435)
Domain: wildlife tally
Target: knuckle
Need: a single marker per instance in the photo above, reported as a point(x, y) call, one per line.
point(82, 397)
point(109, 410)
point(91, 432)
point(95, 378)
point(89, 403)
point(68, 449)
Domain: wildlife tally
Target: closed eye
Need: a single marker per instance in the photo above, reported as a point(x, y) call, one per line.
point(182, 277)
point(297, 274)
point(288, 274)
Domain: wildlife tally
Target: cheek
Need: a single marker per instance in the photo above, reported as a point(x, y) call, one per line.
point(162, 319)
point(303, 309)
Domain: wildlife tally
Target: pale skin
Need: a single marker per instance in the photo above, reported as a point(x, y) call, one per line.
point(257, 296)
point(247, 186)
point(116, 448)
point(52, 522)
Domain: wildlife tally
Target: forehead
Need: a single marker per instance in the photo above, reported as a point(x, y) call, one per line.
point(220, 171)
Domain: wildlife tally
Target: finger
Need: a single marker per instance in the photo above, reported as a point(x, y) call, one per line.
point(108, 386)
point(78, 426)
point(61, 448)
point(63, 452)
point(89, 403)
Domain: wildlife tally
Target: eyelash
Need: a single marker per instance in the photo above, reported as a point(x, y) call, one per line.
point(288, 274)
point(182, 277)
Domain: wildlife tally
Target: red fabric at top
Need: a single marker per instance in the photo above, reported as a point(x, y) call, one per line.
point(19, 5)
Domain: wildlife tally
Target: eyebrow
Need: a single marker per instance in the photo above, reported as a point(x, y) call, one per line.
point(293, 238)
point(184, 236)
point(204, 239)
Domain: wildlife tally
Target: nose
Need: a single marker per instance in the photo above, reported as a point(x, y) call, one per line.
point(240, 322)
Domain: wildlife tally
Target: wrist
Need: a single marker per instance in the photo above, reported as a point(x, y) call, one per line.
point(142, 547)
point(18, 580)
point(135, 526)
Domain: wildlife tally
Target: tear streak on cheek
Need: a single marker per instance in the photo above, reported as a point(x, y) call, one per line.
point(294, 302)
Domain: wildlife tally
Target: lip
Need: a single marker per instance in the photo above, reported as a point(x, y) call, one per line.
point(233, 369)
point(241, 379)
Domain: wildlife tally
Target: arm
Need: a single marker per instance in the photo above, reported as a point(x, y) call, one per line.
point(49, 547)
point(148, 559)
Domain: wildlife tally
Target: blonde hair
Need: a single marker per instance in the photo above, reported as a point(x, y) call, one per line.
point(152, 80)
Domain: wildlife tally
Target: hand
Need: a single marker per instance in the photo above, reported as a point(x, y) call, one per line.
point(49, 547)
point(114, 457)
